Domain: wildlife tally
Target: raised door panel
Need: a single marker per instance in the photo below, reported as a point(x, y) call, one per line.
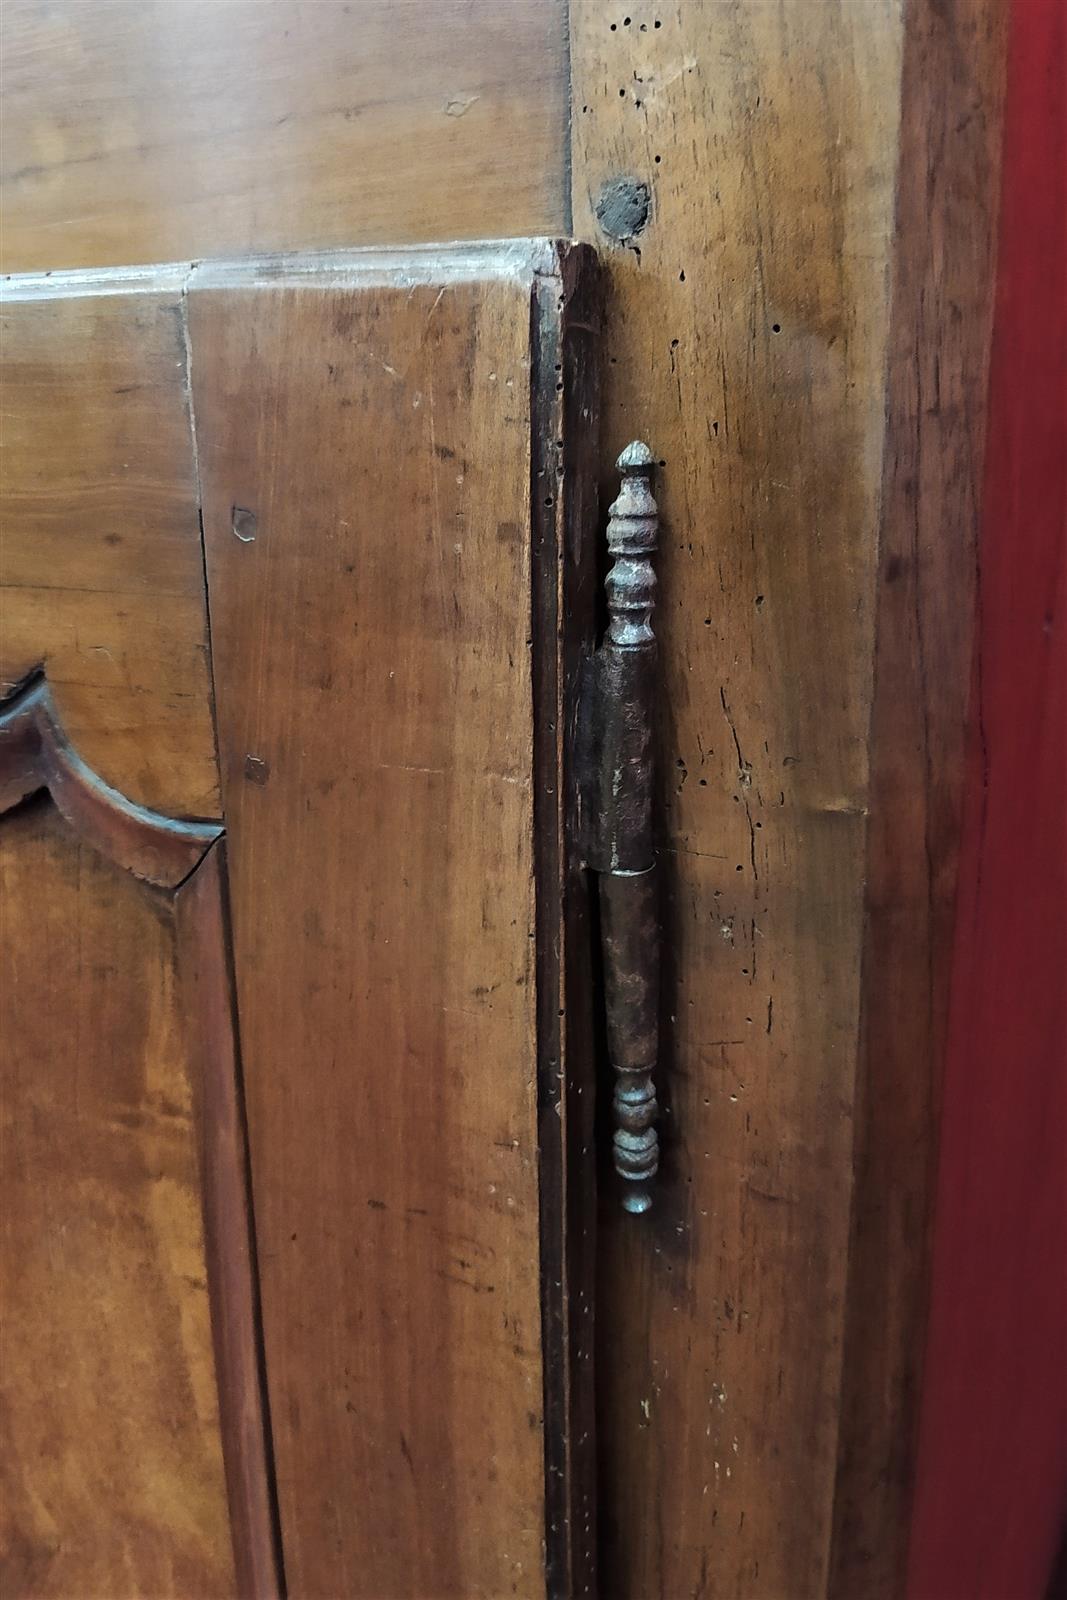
point(385, 467)
point(134, 1456)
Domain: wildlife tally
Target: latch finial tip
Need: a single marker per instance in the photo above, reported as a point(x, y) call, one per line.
point(637, 457)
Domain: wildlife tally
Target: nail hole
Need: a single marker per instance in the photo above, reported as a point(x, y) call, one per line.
point(622, 209)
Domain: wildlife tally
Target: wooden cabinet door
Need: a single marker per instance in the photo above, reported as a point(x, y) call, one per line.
point(388, 456)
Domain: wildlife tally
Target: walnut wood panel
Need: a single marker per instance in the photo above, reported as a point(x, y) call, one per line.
point(739, 166)
point(747, 324)
point(147, 132)
point(101, 574)
point(113, 1482)
point(365, 430)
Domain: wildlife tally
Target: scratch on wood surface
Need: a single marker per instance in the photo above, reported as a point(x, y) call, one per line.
point(671, 74)
point(460, 104)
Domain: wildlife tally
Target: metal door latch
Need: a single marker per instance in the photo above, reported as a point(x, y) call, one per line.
point(616, 786)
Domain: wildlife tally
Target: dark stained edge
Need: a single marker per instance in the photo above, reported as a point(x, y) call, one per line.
point(206, 964)
point(565, 311)
point(927, 587)
point(36, 754)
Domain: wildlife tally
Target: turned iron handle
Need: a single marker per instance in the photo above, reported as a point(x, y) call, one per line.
point(619, 833)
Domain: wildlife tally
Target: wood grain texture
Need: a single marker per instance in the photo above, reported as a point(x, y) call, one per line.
point(820, 482)
point(101, 574)
point(365, 435)
point(748, 325)
point(177, 128)
point(944, 278)
point(112, 1460)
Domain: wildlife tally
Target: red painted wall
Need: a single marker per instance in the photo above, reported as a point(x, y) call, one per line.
point(991, 1491)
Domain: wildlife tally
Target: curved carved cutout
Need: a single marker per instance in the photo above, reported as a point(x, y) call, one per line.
point(36, 754)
